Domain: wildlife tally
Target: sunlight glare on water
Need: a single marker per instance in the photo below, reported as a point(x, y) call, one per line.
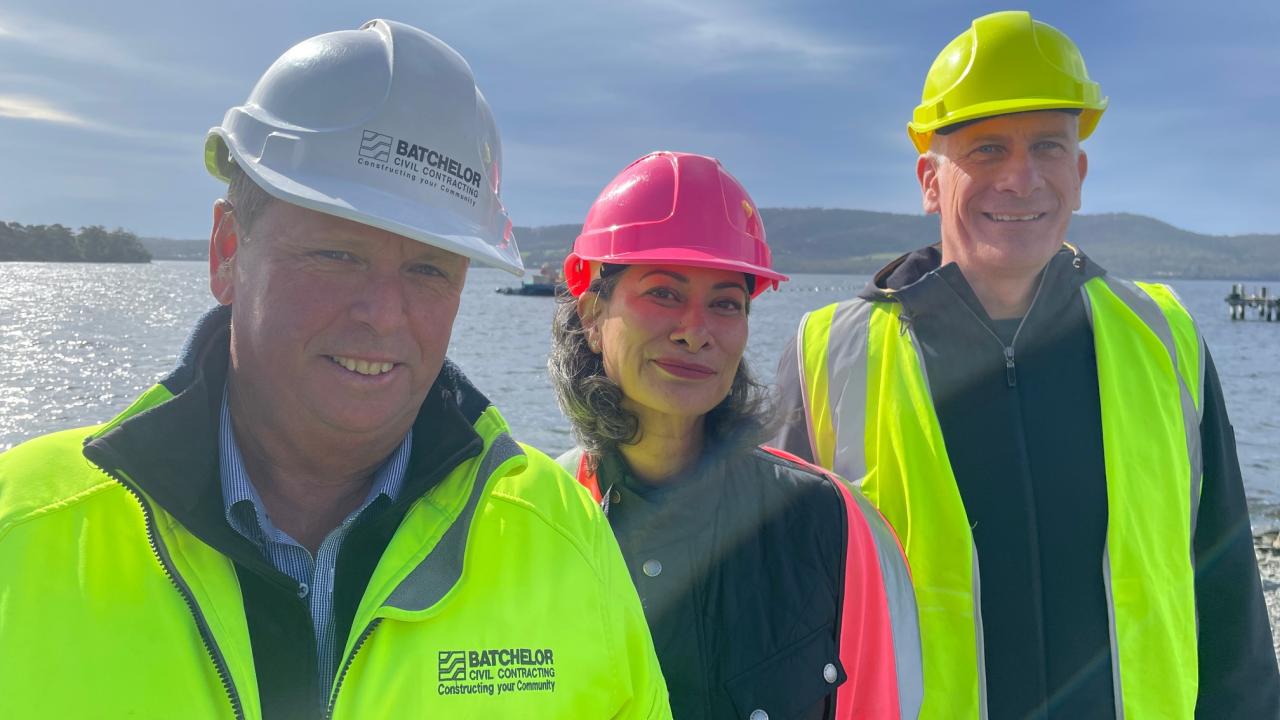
point(81, 341)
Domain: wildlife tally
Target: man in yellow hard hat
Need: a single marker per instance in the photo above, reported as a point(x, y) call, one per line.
point(317, 514)
point(1049, 441)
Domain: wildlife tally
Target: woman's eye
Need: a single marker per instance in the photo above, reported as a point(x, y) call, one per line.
point(730, 305)
point(663, 293)
point(339, 255)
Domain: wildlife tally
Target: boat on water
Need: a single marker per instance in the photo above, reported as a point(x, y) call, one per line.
point(545, 284)
point(534, 289)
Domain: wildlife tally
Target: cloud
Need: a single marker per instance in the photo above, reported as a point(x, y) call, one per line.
point(54, 39)
point(29, 108)
point(70, 43)
point(25, 107)
point(734, 35)
point(657, 37)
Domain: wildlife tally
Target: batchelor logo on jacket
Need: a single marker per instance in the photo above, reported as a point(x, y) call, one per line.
point(496, 671)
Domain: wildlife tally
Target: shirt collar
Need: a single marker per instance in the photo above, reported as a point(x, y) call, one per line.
point(243, 507)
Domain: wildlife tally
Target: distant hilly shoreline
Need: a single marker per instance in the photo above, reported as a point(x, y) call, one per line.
point(824, 240)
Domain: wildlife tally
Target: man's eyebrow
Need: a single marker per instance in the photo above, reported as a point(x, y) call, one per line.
point(323, 237)
point(1052, 135)
point(431, 255)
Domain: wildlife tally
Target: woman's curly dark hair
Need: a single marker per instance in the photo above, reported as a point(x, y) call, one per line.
point(593, 403)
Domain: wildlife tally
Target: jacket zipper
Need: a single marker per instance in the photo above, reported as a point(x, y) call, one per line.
point(206, 635)
point(1010, 369)
point(342, 674)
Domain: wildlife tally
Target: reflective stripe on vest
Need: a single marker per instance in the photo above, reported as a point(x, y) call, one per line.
point(441, 569)
point(879, 643)
point(867, 396)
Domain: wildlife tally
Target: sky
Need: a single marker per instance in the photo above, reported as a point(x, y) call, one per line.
point(104, 106)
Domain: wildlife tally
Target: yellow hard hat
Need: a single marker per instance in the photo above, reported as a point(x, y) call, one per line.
point(1005, 63)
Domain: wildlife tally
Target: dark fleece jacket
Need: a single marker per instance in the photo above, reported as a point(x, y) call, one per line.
point(1027, 455)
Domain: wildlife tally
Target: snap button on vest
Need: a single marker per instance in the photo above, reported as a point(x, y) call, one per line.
point(759, 715)
point(829, 673)
point(303, 590)
point(652, 568)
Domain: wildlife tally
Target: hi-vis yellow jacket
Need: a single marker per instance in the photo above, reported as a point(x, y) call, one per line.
point(871, 417)
point(501, 595)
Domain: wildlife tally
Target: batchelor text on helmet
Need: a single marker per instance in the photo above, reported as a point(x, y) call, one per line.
point(421, 164)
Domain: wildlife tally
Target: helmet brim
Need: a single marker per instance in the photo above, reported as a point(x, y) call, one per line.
point(370, 206)
point(922, 133)
point(691, 257)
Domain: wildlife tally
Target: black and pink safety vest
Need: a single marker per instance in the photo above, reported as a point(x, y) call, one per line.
point(772, 588)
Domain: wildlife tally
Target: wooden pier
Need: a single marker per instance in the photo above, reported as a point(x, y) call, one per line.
point(1240, 301)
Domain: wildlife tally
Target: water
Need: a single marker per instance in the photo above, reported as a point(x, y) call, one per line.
point(80, 341)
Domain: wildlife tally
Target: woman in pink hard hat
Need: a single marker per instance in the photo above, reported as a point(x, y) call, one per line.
point(771, 588)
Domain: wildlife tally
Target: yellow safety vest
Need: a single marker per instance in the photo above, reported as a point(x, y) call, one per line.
point(501, 595)
point(871, 417)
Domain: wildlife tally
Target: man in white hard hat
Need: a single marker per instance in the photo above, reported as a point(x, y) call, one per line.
point(317, 514)
point(1049, 441)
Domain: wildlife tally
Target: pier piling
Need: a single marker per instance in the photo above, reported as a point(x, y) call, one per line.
point(1239, 301)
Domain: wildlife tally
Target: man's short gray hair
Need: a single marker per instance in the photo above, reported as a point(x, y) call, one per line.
point(247, 198)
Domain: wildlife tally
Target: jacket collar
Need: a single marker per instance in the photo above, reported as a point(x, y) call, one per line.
point(170, 452)
point(915, 278)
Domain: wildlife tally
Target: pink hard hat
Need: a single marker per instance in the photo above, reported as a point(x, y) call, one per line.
point(673, 208)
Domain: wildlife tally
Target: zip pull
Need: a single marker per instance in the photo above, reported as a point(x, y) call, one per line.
point(904, 322)
point(1009, 371)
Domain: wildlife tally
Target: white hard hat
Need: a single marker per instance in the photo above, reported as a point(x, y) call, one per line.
point(384, 126)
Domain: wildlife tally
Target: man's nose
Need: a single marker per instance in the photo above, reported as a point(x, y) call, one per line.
point(1020, 175)
point(380, 302)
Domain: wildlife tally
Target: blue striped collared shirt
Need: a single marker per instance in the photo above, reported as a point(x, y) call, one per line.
point(314, 575)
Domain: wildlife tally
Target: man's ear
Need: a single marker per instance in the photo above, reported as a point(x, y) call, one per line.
point(224, 240)
point(927, 174)
point(1082, 167)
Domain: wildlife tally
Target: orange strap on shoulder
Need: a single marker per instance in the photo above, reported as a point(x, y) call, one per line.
point(587, 477)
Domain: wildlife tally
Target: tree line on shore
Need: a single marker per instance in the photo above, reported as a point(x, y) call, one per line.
point(802, 240)
point(57, 243)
